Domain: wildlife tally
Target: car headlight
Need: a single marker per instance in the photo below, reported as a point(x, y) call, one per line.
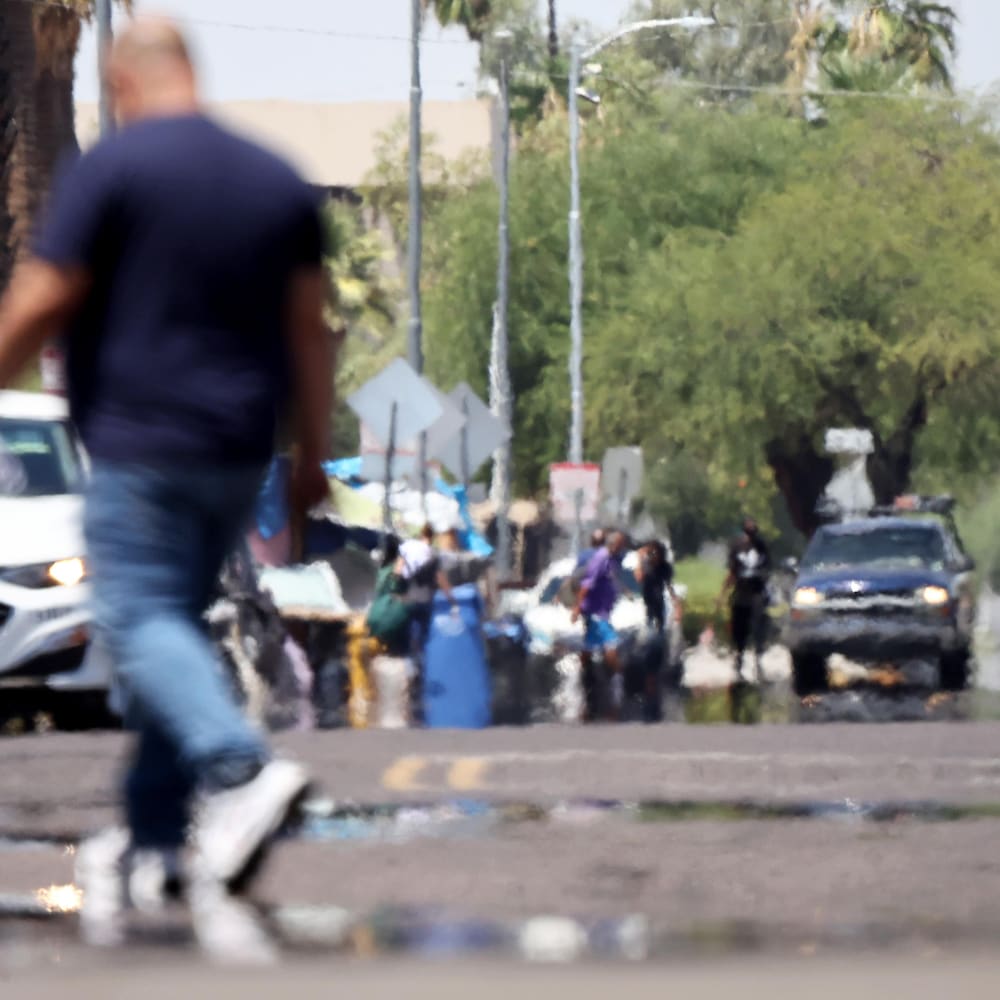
point(62, 573)
point(934, 596)
point(807, 597)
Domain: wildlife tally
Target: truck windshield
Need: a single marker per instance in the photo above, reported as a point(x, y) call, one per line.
point(38, 458)
point(896, 546)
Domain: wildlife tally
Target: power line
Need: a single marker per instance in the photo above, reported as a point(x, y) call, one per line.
point(776, 91)
point(883, 95)
point(279, 28)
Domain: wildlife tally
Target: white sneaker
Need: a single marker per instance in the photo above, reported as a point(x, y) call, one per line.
point(149, 872)
point(233, 824)
point(227, 930)
point(100, 874)
point(114, 877)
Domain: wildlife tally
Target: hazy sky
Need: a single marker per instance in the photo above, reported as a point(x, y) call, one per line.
point(356, 50)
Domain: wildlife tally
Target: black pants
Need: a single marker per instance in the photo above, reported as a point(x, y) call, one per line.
point(749, 624)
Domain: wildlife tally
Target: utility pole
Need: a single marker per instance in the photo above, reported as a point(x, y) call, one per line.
point(104, 37)
point(579, 55)
point(500, 390)
point(575, 261)
point(416, 329)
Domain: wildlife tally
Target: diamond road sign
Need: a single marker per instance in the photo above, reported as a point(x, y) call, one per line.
point(418, 407)
point(446, 429)
point(484, 433)
point(417, 404)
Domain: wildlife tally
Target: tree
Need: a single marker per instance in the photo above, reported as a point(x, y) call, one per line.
point(367, 304)
point(862, 293)
point(747, 49)
point(873, 46)
point(36, 104)
point(473, 15)
point(646, 172)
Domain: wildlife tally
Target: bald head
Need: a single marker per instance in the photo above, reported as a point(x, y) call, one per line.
point(151, 72)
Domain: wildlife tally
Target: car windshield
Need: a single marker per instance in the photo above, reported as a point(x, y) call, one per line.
point(896, 546)
point(38, 458)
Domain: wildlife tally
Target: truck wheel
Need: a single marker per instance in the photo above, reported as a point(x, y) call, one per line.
point(809, 675)
point(955, 670)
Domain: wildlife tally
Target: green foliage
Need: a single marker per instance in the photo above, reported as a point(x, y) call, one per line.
point(891, 43)
point(750, 281)
point(703, 582)
point(473, 15)
point(367, 303)
point(749, 49)
point(698, 502)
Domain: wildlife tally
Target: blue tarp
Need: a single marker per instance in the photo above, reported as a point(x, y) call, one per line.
point(471, 540)
point(272, 503)
point(348, 470)
point(345, 469)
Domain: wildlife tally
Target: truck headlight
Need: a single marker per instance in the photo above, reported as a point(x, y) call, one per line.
point(62, 573)
point(807, 597)
point(934, 596)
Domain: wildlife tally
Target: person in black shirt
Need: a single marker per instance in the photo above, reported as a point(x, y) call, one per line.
point(655, 574)
point(746, 586)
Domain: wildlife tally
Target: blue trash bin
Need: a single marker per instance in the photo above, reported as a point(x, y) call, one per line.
point(457, 691)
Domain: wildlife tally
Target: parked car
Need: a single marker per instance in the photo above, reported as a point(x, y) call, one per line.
point(44, 614)
point(546, 610)
point(889, 588)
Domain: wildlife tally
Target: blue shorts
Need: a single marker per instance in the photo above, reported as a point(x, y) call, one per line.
point(600, 634)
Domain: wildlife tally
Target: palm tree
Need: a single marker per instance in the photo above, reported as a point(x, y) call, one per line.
point(918, 35)
point(553, 31)
point(473, 15)
point(886, 44)
point(37, 47)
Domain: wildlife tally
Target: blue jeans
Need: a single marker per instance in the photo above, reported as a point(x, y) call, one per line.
point(156, 541)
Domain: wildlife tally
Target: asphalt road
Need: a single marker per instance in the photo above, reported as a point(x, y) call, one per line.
point(928, 978)
point(779, 839)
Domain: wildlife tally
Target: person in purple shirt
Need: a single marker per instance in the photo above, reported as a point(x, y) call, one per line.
point(595, 601)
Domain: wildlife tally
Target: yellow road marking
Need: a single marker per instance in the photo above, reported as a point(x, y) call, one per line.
point(466, 774)
point(402, 775)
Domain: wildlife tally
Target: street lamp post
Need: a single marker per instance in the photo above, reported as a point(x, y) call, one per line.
point(500, 391)
point(105, 111)
point(578, 55)
point(415, 340)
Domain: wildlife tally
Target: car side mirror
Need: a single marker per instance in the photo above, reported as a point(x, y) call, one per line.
point(966, 564)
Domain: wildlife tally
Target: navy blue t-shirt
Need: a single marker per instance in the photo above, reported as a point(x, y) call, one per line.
point(190, 235)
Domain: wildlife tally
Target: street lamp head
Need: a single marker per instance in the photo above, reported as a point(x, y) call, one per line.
point(696, 22)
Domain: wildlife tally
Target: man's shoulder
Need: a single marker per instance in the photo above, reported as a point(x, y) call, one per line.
point(599, 562)
point(271, 166)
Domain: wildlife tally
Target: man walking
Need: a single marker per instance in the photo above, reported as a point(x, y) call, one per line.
point(184, 266)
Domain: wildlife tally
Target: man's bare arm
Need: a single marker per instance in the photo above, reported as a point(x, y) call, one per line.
point(39, 303)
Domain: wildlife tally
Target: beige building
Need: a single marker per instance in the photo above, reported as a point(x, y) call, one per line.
point(335, 145)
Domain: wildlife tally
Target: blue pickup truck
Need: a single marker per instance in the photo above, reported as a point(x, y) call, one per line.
point(888, 588)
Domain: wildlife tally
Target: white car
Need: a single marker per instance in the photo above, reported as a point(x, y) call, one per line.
point(548, 617)
point(44, 613)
